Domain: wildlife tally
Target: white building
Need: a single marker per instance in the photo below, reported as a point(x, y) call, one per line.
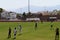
point(32, 19)
point(4, 14)
point(12, 15)
point(52, 17)
point(8, 15)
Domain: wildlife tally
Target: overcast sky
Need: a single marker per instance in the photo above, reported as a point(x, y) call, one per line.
point(14, 4)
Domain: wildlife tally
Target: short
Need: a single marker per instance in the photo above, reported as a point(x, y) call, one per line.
point(14, 34)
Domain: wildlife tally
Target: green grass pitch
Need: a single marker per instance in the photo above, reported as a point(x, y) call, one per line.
point(43, 31)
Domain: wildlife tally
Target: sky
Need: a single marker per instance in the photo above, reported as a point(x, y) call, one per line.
point(15, 4)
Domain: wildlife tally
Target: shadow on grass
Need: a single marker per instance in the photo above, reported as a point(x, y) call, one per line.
point(19, 34)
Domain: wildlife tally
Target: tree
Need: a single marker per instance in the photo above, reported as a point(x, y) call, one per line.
point(1, 10)
point(58, 14)
point(24, 15)
point(29, 14)
point(18, 16)
point(41, 17)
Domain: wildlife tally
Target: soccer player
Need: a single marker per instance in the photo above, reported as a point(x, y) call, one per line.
point(35, 25)
point(51, 26)
point(41, 21)
point(57, 34)
point(15, 32)
point(9, 33)
point(20, 29)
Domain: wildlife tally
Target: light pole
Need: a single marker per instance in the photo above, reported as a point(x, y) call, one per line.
point(28, 5)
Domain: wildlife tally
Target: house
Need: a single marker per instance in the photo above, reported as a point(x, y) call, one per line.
point(8, 15)
point(4, 14)
point(12, 15)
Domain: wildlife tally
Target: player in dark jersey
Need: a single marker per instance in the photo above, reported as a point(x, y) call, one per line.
point(57, 34)
point(35, 25)
point(51, 26)
point(9, 33)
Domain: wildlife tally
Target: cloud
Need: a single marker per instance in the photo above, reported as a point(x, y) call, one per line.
point(45, 2)
point(14, 4)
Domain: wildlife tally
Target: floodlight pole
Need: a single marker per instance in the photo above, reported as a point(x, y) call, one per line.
point(28, 5)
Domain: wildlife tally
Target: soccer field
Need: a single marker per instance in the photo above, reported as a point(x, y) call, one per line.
point(43, 31)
